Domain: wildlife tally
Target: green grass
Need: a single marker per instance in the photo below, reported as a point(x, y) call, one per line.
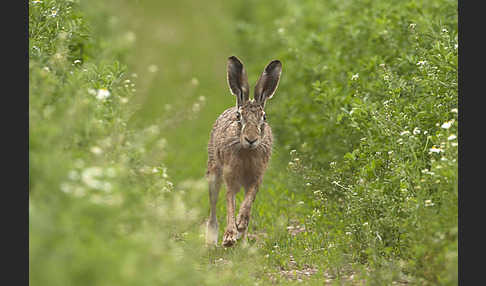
point(362, 186)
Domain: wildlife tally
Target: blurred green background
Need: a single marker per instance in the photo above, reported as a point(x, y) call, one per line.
point(179, 51)
point(362, 186)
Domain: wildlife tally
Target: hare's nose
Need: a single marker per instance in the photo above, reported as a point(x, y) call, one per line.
point(250, 141)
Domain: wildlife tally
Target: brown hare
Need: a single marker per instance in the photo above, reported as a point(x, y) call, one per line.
point(239, 149)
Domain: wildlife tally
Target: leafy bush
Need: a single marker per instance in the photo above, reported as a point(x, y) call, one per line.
point(367, 109)
point(101, 208)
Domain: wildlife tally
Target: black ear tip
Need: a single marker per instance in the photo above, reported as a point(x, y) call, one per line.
point(235, 60)
point(273, 64)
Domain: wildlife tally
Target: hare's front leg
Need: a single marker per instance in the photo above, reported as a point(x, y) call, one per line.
point(214, 179)
point(229, 237)
point(245, 210)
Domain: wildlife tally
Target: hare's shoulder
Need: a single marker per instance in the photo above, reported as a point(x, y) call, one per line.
point(227, 115)
point(223, 122)
point(225, 119)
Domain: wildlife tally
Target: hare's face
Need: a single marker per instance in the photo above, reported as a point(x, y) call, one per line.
point(250, 114)
point(251, 121)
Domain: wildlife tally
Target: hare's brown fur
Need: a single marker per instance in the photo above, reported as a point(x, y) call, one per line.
point(239, 150)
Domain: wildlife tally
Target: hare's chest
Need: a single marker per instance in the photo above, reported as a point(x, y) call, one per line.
point(246, 168)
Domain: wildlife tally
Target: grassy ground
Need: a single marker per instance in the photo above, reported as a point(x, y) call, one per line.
point(362, 186)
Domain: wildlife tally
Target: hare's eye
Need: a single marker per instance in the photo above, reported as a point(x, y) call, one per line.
point(264, 117)
point(238, 116)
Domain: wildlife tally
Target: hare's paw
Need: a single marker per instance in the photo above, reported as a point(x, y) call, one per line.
point(212, 233)
point(240, 234)
point(242, 223)
point(229, 237)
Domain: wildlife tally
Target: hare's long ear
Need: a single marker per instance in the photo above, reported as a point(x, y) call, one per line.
point(238, 80)
point(268, 82)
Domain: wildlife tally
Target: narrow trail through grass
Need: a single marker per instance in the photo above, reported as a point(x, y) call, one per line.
point(180, 57)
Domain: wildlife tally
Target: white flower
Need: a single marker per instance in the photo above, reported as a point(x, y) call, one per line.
point(194, 81)
point(53, 13)
point(153, 68)
point(454, 110)
point(447, 124)
point(130, 37)
point(416, 131)
point(355, 76)
point(162, 143)
point(77, 61)
point(435, 150)
point(96, 150)
point(102, 93)
point(452, 137)
point(421, 63)
point(281, 30)
point(89, 177)
point(406, 132)
point(412, 26)
point(196, 107)
point(428, 203)
point(153, 129)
